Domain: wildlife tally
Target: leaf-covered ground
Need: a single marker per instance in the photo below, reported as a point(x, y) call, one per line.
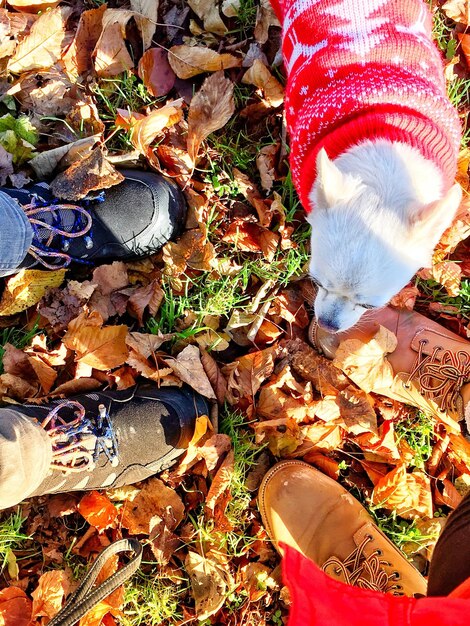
point(195, 90)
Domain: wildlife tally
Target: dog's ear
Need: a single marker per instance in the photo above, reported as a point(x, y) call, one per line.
point(429, 222)
point(331, 185)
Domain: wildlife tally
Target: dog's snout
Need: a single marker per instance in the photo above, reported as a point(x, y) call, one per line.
point(329, 325)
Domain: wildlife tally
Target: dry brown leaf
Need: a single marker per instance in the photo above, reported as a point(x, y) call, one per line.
point(265, 17)
point(49, 594)
point(409, 495)
point(46, 92)
point(155, 498)
point(15, 607)
point(383, 444)
point(98, 510)
point(266, 164)
point(459, 453)
point(328, 466)
point(259, 75)
point(221, 482)
point(252, 237)
point(457, 10)
point(192, 250)
point(148, 12)
point(101, 347)
point(246, 375)
point(283, 436)
point(210, 109)
point(43, 46)
point(210, 581)
point(110, 53)
point(78, 58)
point(151, 296)
point(188, 367)
point(406, 298)
point(26, 288)
point(366, 363)
point(156, 73)
point(324, 436)
point(208, 12)
point(189, 61)
point(163, 542)
point(449, 275)
point(33, 6)
point(216, 379)
point(45, 162)
point(92, 173)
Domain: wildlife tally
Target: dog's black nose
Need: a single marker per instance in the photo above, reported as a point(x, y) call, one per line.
point(330, 325)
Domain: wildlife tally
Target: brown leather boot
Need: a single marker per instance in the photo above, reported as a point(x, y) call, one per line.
point(428, 357)
point(305, 509)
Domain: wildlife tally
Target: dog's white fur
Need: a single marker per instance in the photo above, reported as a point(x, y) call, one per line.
point(378, 212)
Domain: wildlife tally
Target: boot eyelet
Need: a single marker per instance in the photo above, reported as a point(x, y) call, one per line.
point(379, 552)
point(88, 243)
point(337, 571)
point(396, 575)
point(66, 245)
point(407, 385)
point(423, 342)
point(369, 537)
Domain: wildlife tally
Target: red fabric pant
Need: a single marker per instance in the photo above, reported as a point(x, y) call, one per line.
point(318, 600)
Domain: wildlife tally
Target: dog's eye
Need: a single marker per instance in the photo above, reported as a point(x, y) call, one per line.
point(316, 282)
point(369, 307)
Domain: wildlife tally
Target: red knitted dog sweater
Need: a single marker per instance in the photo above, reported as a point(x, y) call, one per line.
point(363, 69)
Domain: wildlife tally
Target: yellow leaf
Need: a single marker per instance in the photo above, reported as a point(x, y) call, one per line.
point(259, 75)
point(43, 46)
point(407, 494)
point(100, 347)
point(365, 363)
point(188, 61)
point(26, 289)
point(146, 128)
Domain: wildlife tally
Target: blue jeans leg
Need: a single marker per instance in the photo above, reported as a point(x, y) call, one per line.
point(16, 235)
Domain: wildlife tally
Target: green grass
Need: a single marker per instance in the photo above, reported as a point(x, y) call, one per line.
point(434, 292)
point(151, 599)
point(125, 91)
point(417, 431)
point(18, 337)
point(11, 536)
point(236, 542)
point(400, 531)
point(246, 18)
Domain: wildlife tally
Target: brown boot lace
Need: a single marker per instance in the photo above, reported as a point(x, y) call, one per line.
point(363, 571)
point(70, 452)
point(441, 375)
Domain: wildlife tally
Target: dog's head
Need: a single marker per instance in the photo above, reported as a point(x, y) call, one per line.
point(362, 250)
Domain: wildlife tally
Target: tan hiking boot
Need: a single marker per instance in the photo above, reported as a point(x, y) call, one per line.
point(305, 509)
point(435, 360)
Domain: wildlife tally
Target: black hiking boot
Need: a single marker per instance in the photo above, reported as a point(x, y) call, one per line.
point(106, 439)
point(128, 221)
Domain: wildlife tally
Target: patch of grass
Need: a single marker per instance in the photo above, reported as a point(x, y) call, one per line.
point(400, 531)
point(246, 18)
point(235, 542)
point(151, 599)
point(417, 431)
point(458, 91)
point(442, 31)
point(18, 337)
point(11, 536)
point(435, 292)
point(125, 91)
point(205, 295)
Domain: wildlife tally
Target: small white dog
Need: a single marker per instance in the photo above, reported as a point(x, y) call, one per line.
point(374, 145)
point(379, 212)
